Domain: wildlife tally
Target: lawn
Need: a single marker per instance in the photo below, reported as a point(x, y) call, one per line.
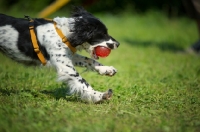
point(157, 87)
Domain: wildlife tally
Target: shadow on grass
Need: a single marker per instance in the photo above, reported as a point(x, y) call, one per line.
point(57, 93)
point(164, 46)
point(6, 92)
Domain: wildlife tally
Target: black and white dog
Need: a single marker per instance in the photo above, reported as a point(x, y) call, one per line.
point(82, 30)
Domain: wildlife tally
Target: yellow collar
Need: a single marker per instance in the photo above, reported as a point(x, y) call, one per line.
point(64, 39)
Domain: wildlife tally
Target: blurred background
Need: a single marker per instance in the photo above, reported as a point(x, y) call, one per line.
point(172, 8)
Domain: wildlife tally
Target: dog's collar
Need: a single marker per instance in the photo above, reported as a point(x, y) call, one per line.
point(64, 39)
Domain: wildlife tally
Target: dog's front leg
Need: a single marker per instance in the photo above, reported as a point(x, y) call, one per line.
point(91, 64)
point(77, 84)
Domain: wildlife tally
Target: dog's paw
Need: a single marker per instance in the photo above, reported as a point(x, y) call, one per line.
point(106, 70)
point(106, 96)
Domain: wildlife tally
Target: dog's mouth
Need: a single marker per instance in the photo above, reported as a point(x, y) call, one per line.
point(100, 51)
point(91, 50)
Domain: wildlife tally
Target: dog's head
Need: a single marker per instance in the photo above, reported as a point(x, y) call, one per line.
point(89, 32)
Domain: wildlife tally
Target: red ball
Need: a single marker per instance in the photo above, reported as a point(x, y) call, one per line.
point(102, 51)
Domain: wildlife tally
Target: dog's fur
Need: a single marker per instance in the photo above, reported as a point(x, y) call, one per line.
point(83, 31)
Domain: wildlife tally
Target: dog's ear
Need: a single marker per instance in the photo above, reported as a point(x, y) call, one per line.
point(85, 26)
point(83, 30)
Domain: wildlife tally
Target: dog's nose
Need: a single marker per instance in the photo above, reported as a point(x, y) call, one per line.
point(117, 44)
point(113, 45)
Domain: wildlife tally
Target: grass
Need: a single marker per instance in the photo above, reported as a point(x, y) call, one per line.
point(156, 88)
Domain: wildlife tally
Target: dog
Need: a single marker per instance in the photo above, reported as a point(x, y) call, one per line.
point(82, 30)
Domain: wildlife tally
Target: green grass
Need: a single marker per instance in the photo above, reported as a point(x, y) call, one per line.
point(157, 87)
